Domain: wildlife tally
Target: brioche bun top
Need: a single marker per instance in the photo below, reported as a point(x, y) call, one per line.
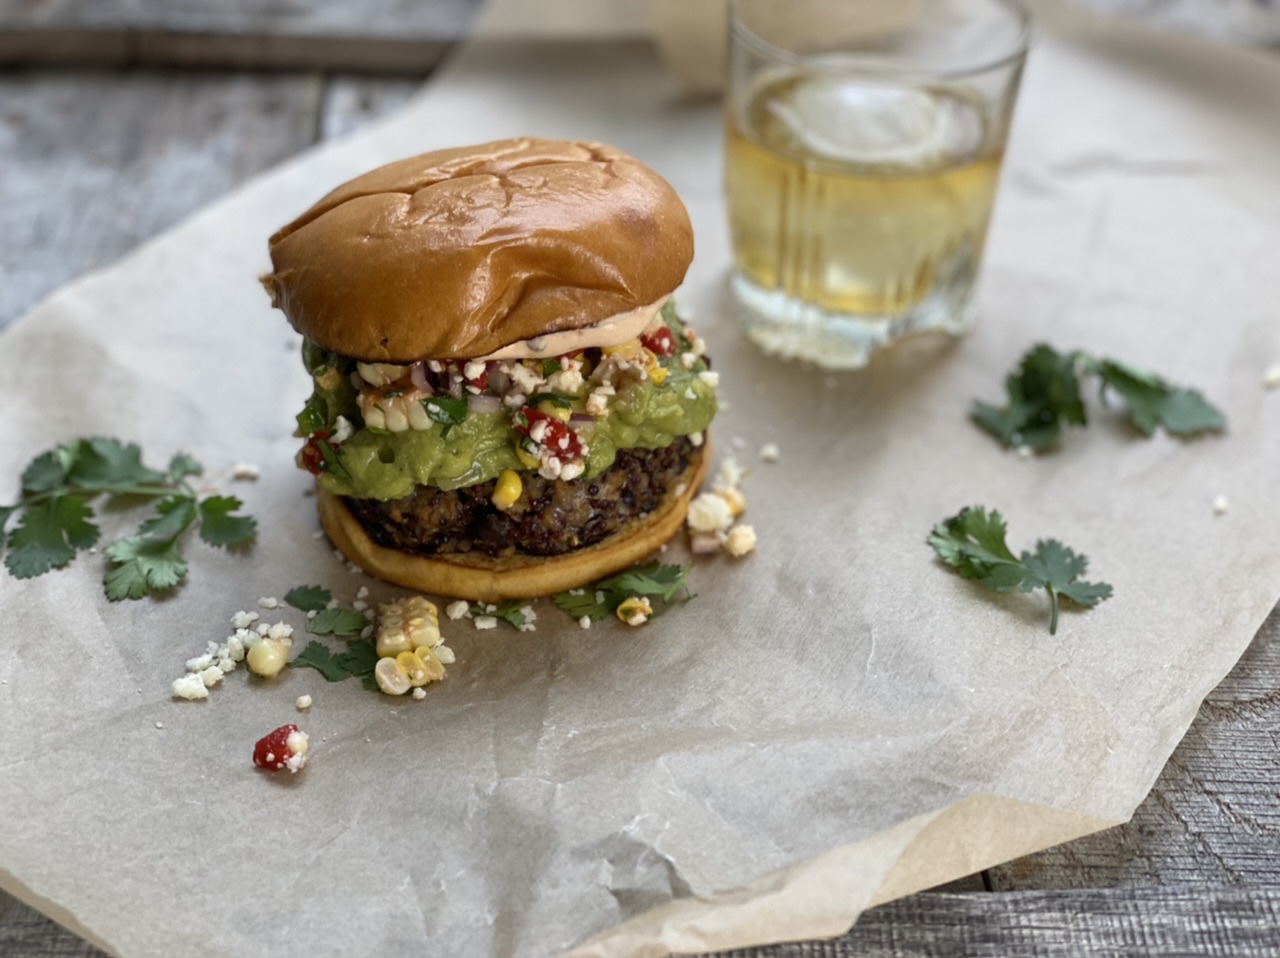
point(457, 253)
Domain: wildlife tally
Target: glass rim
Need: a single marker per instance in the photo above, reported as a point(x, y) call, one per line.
point(738, 30)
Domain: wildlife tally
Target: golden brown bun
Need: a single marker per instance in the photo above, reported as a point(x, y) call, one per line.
point(457, 253)
point(488, 579)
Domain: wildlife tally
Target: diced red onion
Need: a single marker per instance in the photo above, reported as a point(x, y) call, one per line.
point(420, 377)
point(484, 404)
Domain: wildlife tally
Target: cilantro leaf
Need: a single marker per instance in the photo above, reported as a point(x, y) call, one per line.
point(308, 598)
point(183, 465)
point(317, 656)
point(601, 600)
point(219, 527)
point(142, 565)
point(550, 367)
point(110, 465)
point(359, 660)
point(556, 399)
point(446, 410)
point(1152, 401)
point(176, 514)
point(1044, 394)
point(46, 472)
point(973, 543)
point(337, 622)
point(55, 523)
point(49, 535)
point(511, 613)
point(651, 578)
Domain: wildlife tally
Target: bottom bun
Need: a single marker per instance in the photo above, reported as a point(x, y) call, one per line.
point(484, 578)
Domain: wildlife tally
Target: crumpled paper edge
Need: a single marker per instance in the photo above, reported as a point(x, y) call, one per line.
point(797, 903)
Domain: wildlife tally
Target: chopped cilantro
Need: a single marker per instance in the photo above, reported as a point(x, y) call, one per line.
point(550, 367)
point(973, 543)
point(359, 660)
point(1044, 394)
point(308, 598)
point(556, 399)
point(601, 600)
point(446, 410)
point(343, 622)
point(56, 520)
point(511, 613)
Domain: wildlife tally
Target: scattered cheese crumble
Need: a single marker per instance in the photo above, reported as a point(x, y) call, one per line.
point(268, 602)
point(302, 703)
point(740, 540)
point(245, 471)
point(486, 622)
point(1271, 378)
point(1220, 505)
point(709, 512)
point(769, 452)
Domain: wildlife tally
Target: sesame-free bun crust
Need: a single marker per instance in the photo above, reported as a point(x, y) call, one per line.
point(457, 253)
point(488, 579)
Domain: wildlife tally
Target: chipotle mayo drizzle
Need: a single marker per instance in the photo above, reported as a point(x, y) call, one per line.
point(614, 331)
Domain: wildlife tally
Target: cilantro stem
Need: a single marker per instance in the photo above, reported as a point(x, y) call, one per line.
point(182, 489)
point(1053, 604)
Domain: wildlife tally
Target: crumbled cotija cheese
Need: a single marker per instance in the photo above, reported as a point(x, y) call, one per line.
point(709, 512)
point(740, 540)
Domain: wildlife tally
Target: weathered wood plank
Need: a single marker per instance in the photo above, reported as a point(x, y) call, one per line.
point(96, 163)
point(382, 36)
point(1120, 923)
point(350, 102)
point(1213, 815)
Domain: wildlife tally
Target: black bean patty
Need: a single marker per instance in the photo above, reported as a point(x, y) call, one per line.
point(551, 516)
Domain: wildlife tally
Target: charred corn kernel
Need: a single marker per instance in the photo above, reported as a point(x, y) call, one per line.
point(736, 500)
point(406, 624)
point(657, 372)
point(635, 610)
point(631, 349)
point(391, 678)
point(548, 408)
point(431, 663)
point(414, 668)
point(508, 489)
point(267, 657)
point(526, 458)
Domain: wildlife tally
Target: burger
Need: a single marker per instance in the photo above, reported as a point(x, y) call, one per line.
point(505, 402)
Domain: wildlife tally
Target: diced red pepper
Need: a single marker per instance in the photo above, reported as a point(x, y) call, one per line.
point(558, 437)
point(660, 342)
point(481, 382)
point(311, 457)
point(275, 751)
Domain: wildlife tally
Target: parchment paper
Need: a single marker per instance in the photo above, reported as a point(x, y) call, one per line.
point(834, 721)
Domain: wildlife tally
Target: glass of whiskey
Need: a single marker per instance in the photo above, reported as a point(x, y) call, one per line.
point(863, 146)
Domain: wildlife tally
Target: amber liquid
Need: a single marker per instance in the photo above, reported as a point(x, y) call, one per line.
point(862, 202)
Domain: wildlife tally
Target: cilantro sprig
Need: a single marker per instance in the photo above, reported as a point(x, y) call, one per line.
point(973, 543)
point(357, 662)
point(1044, 394)
point(601, 600)
point(512, 613)
point(56, 518)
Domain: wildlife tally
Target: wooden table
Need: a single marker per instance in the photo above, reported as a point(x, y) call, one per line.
point(96, 160)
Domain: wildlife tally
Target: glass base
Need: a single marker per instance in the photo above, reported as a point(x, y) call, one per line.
point(793, 329)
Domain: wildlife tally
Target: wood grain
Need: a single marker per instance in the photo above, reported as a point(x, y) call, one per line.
point(381, 36)
point(1241, 923)
point(94, 163)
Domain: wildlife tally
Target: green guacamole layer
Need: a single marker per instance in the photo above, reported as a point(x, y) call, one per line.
point(377, 464)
